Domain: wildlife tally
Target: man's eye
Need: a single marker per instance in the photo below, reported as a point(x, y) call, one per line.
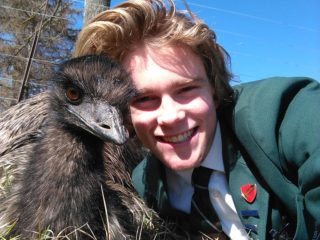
point(188, 89)
point(145, 102)
point(143, 99)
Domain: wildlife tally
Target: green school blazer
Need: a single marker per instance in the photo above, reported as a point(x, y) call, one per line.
point(271, 143)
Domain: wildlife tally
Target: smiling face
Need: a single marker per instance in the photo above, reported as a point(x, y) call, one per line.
point(174, 114)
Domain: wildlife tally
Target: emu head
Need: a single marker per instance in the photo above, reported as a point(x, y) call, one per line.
point(90, 95)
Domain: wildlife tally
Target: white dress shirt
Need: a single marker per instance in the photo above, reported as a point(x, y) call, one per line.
point(180, 190)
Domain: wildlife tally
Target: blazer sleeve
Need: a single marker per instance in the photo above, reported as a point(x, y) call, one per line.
point(299, 143)
point(277, 121)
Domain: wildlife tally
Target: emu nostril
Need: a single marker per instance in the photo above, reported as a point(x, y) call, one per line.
point(105, 126)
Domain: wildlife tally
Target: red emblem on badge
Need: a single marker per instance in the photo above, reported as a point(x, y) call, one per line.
point(249, 192)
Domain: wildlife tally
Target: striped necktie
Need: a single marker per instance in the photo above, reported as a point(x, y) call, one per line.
point(204, 217)
point(215, 213)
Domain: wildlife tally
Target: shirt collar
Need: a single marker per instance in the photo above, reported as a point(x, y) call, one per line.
point(214, 158)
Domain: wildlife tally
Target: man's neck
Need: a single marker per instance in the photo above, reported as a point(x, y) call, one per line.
point(214, 158)
point(179, 182)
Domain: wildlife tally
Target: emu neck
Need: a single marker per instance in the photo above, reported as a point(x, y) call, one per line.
point(70, 149)
point(61, 185)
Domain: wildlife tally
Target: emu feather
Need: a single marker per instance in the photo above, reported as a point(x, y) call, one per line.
point(62, 160)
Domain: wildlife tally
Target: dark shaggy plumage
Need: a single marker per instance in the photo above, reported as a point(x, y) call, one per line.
point(66, 177)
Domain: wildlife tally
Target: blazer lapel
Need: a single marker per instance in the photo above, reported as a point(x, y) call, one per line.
point(252, 202)
point(155, 185)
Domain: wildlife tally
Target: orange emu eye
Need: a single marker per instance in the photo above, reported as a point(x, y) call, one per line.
point(73, 94)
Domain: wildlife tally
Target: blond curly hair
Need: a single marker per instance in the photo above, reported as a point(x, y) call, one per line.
point(157, 23)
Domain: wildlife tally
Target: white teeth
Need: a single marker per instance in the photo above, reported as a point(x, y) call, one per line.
point(178, 138)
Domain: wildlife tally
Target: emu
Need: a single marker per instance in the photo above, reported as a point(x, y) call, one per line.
point(70, 178)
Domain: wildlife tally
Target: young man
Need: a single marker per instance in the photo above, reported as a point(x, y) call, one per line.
point(239, 163)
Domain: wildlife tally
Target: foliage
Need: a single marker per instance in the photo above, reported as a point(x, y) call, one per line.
point(51, 24)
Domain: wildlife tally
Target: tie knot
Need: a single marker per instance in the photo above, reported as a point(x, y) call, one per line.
point(201, 177)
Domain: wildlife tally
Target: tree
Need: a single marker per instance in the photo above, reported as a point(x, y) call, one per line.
point(93, 7)
point(44, 30)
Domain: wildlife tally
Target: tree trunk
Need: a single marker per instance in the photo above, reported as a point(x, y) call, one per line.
point(93, 7)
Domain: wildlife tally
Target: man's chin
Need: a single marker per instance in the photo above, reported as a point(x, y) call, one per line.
point(181, 165)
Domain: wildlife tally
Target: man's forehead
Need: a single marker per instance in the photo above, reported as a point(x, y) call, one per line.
point(155, 70)
point(176, 59)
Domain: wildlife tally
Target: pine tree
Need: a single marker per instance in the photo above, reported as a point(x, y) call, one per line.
point(49, 25)
point(93, 7)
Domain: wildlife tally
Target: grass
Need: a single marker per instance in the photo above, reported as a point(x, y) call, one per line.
point(85, 230)
point(149, 224)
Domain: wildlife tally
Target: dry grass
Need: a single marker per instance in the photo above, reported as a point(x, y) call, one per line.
point(165, 233)
point(150, 223)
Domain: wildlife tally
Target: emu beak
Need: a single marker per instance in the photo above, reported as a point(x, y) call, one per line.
point(102, 120)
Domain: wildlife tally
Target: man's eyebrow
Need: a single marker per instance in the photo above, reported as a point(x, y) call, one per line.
point(190, 80)
point(142, 92)
point(181, 82)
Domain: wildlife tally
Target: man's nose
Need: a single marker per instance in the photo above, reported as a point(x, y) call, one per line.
point(170, 111)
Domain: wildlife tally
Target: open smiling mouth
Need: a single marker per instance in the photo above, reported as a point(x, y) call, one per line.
point(182, 137)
